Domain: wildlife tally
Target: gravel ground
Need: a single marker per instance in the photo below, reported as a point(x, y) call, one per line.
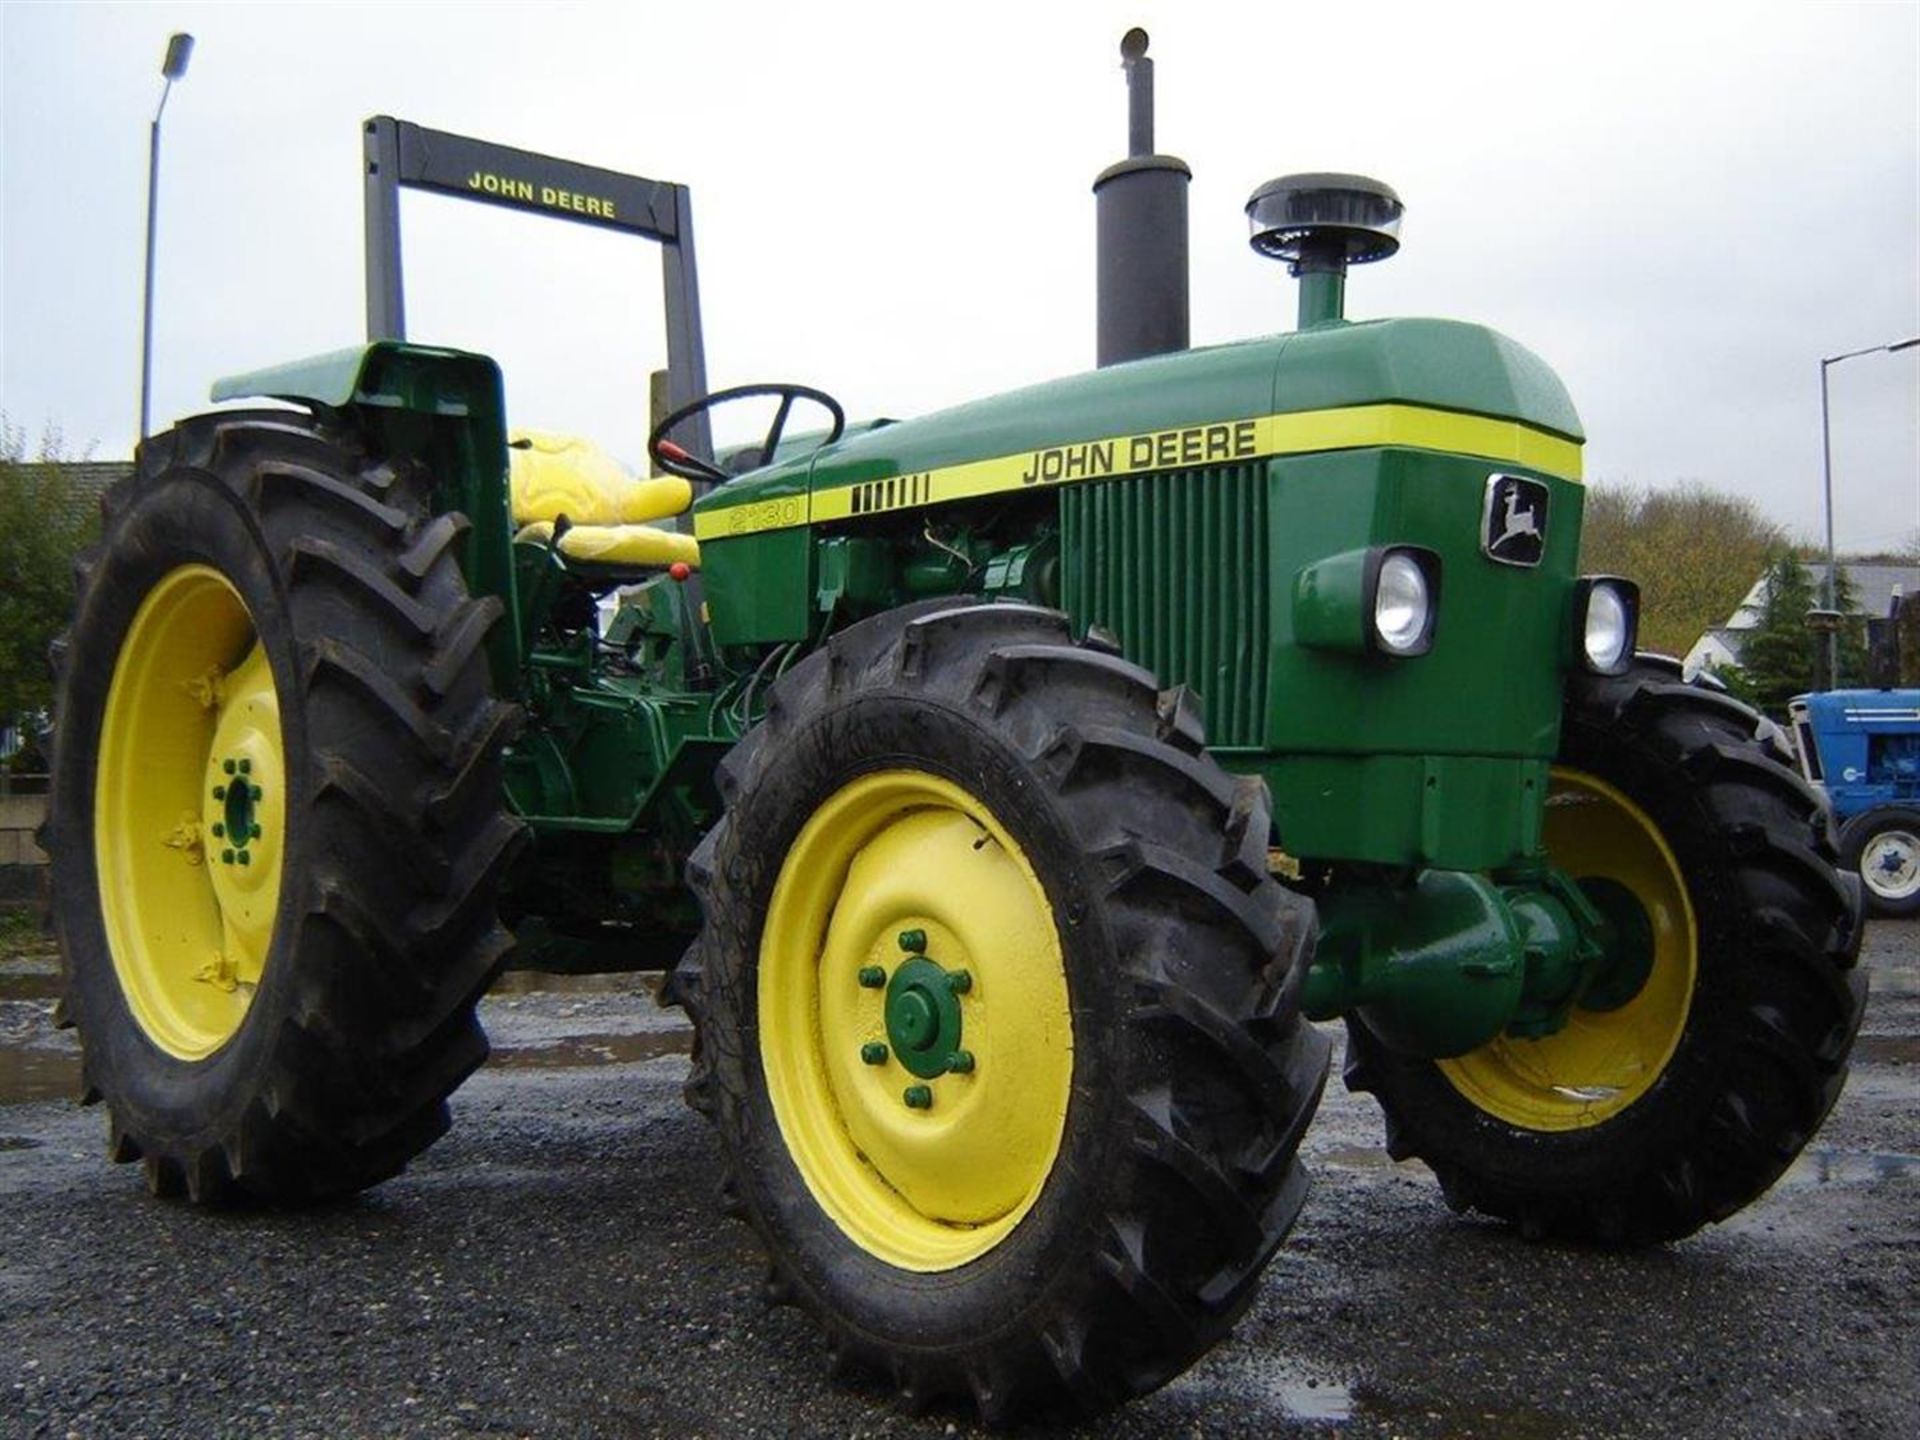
point(557, 1266)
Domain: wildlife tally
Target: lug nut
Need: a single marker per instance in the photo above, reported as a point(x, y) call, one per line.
point(918, 1097)
point(914, 941)
point(874, 1053)
point(960, 1062)
point(872, 977)
point(960, 982)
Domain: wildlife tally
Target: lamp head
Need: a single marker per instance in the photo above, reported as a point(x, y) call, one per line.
point(179, 51)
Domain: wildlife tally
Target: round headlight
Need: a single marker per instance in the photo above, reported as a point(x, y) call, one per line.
point(1402, 606)
point(1609, 632)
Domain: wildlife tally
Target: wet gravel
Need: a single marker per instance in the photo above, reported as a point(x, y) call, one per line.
point(557, 1266)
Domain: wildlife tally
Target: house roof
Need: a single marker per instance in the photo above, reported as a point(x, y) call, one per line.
point(1873, 584)
point(84, 481)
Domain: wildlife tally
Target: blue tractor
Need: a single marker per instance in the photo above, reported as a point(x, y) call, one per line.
point(1863, 748)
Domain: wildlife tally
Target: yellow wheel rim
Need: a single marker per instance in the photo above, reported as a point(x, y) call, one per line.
point(189, 817)
point(1602, 1061)
point(892, 859)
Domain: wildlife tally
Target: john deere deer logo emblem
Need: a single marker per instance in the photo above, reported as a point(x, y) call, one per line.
point(1514, 528)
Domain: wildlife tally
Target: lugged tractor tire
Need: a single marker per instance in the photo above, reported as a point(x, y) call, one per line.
point(275, 821)
point(1079, 1212)
point(1642, 1121)
point(1882, 847)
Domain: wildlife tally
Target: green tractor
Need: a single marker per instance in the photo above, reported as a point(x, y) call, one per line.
point(1002, 792)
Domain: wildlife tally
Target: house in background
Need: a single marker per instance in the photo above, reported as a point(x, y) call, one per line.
point(23, 800)
point(84, 481)
point(78, 486)
point(1877, 588)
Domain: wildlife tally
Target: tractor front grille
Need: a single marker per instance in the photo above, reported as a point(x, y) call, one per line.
point(1176, 566)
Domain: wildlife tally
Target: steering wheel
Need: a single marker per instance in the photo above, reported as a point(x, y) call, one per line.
point(677, 461)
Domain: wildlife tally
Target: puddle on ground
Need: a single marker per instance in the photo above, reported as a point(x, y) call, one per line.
point(27, 1076)
point(574, 1052)
point(1456, 1417)
point(1363, 1157)
point(1889, 1049)
point(1287, 1383)
point(1825, 1165)
point(1821, 1165)
point(1308, 1396)
point(39, 986)
point(1315, 1399)
point(539, 982)
point(30, 1075)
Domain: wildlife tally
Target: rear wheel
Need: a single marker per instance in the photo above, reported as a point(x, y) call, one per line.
point(998, 1012)
point(1676, 1099)
point(275, 819)
point(1883, 848)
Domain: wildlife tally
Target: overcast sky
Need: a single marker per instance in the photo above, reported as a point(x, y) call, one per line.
point(1681, 207)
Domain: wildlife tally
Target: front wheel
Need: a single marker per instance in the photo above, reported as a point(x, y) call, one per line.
point(998, 1012)
point(1666, 1105)
point(1882, 847)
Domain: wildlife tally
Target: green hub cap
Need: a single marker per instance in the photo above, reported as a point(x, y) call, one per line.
point(923, 1017)
point(1629, 942)
point(239, 824)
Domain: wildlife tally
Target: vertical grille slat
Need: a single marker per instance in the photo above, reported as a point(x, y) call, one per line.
point(1175, 564)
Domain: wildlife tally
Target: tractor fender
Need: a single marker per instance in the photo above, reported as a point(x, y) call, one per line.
point(445, 408)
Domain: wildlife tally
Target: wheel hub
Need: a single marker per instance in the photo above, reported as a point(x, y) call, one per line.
point(1629, 945)
point(244, 810)
point(237, 797)
point(924, 1021)
point(189, 812)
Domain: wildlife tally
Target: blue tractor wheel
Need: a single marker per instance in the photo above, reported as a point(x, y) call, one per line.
point(1883, 847)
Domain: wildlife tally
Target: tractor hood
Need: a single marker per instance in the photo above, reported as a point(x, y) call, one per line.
point(1181, 409)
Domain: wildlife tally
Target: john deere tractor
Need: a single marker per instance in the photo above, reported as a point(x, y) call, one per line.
point(1002, 792)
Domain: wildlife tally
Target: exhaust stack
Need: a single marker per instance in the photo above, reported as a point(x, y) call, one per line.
point(1141, 226)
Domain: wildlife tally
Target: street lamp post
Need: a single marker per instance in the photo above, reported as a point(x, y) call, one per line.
point(179, 51)
point(1826, 462)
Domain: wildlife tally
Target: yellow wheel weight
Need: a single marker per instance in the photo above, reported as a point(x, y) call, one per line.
point(905, 876)
point(1601, 1062)
point(189, 815)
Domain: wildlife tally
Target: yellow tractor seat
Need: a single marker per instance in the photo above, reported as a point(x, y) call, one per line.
point(627, 547)
point(608, 509)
